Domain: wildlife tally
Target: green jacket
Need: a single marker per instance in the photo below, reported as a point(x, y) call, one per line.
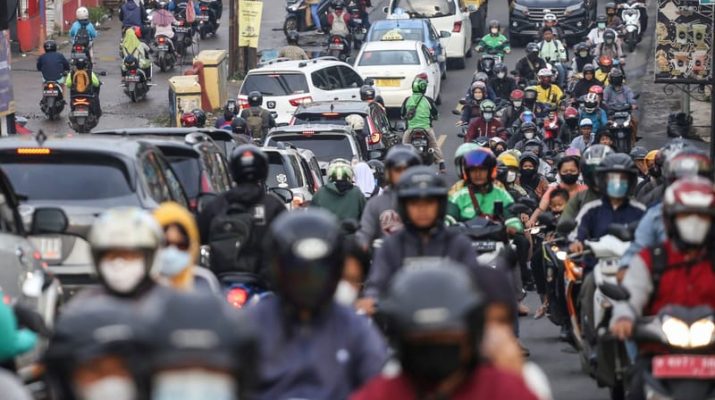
point(499, 42)
point(460, 206)
point(425, 111)
point(13, 341)
point(344, 205)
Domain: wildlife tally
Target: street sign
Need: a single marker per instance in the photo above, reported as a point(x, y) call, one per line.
point(706, 2)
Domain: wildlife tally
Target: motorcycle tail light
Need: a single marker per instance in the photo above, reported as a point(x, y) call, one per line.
point(457, 27)
point(162, 39)
point(237, 297)
point(204, 8)
point(375, 138)
point(300, 100)
point(78, 48)
point(548, 134)
point(132, 72)
point(336, 40)
point(50, 85)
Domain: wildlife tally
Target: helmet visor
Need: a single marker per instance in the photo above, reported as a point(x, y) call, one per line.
point(475, 159)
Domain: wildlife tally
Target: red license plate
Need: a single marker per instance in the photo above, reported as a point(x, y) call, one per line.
point(684, 366)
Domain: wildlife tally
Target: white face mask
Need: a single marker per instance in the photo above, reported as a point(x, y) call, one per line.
point(173, 261)
point(510, 176)
point(693, 229)
point(494, 31)
point(501, 75)
point(517, 103)
point(346, 294)
point(122, 275)
point(193, 384)
point(529, 134)
point(112, 387)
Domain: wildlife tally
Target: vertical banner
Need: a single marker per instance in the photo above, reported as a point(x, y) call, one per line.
point(249, 22)
point(7, 102)
point(684, 40)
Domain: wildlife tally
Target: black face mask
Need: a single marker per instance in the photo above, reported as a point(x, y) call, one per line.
point(431, 362)
point(569, 179)
point(343, 186)
point(527, 174)
point(654, 172)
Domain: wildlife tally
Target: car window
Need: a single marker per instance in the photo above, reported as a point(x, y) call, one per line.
point(351, 79)
point(280, 173)
point(426, 54)
point(223, 174)
point(8, 222)
point(172, 183)
point(282, 84)
point(188, 170)
point(326, 147)
point(154, 178)
point(332, 118)
point(380, 118)
point(425, 8)
point(295, 164)
point(312, 187)
point(317, 174)
point(327, 78)
point(389, 57)
point(433, 34)
point(406, 33)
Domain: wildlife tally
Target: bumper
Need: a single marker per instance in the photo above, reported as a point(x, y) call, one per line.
point(455, 45)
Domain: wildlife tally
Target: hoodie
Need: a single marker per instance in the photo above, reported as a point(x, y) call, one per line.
point(345, 204)
point(170, 213)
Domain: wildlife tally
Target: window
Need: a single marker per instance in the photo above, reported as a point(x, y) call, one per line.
point(312, 186)
point(154, 178)
point(351, 79)
point(433, 34)
point(326, 147)
point(279, 174)
point(173, 184)
point(188, 170)
point(426, 54)
point(380, 119)
point(224, 175)
point(389, 57)
point(282, 84)
point(327, 79)
point(296, 167)
point(8, 223)
point(425, 8)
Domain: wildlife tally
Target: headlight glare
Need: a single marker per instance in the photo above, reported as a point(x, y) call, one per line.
point(676, 332)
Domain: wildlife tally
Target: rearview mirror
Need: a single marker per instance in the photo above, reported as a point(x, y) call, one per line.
point(284, 194)
point(400, 126)
point(376, 154)
point(203, 200)
point(616, 292)
point(444, 34)
point(621, 232)
point(463, 102)
point(48, 220)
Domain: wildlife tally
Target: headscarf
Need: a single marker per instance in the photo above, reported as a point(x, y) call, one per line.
point(162, 18)
point(131, 45)
point(170, 213)
point(364, 179)
point(14, 341)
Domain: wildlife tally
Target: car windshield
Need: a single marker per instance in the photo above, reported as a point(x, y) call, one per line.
point(321, 118)
point(102, 182)
point(188, 170)
point(406, 33)
point(326, 147)
point(389, 57)
point(425, 8)
point(279, 173)
point(280, 84)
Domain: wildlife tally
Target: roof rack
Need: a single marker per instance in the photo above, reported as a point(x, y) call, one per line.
point(274, 61)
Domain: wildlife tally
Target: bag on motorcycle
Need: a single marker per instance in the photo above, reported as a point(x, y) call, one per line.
point(81, 81)
point(228, 234)
point(82, 37)
point(255, 123)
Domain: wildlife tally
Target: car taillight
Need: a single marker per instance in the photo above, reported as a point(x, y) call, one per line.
point(375, 138)
point(457, 27)
point(298, 201)
point(206, 186)
point(243, 103)
point(237, 297)
point(300, 100)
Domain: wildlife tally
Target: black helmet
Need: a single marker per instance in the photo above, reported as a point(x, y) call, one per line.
point(615, 77)
point(239, 126)
point(581, 46)
point(200, 117)
point(686, 163)
point(609, 36)
point(293, 37)
point(50, 46)
point(248, 164)
point(367, 93)
point(255, 99)
point(494, 24)
point(590, 160)
point(80, 61)
point(440, 296)
point(529, 156)
point(131, 62)
point(230, 107)
point(421, 182)
point(589, 68)
point(306, 258)
point(617, 162)
point(402, 156)
point(601, 19)
point(533, 146)
point(378, 171)
point(638, 153)
point(532, 48)
point(338, 4)
point(501, 67)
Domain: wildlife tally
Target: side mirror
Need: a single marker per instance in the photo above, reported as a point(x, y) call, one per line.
point(463, 102)
point(616, 292)
point(566, 227)
point(441, 59)
point(461, 134)
point(203, 200)
point(284, 194)
point(400, 126)
point(385, 10)
point(48, 220)
point(376, 154)
point(621, 231)
point(444, 34)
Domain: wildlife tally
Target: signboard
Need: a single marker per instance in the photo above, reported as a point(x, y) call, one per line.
point(249, 22)
point(684, 40)
point(7, 102)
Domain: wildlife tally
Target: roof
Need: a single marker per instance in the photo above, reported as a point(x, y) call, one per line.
point(405, 23)
point(213, 133)
point(391, 45)
point(342, 107)
point(89, 143)
point(310, 127)
point(283, 65)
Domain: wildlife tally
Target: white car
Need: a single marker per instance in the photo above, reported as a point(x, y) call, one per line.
point(393, 65)
point(445, 15)
point(287, 84)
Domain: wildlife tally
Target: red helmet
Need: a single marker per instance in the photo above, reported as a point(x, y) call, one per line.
point(189, 120)
point(137, 31)
point(423, 76)
point(516, 94)
point(605, 61)
point(695, 197)
point(596, 89)
point(570, 113)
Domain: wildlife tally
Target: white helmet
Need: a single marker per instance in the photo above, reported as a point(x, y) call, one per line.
point(355, 121)
point(545, 72)
point(549, 17)
point(82, 13)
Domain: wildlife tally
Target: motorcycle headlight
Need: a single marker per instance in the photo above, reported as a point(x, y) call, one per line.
point(679, 334)
point(561, 255)
point(701, 332)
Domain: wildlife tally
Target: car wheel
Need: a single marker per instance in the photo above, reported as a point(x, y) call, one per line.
point(469, 52)
point(438, 100)
point(444, 73)
point(459, 63)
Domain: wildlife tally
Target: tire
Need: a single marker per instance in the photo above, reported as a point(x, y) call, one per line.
point(444, 73)
point(460, 63)
point(290, 24)
point(438, 100)
point(618, 391)
point(133, 96)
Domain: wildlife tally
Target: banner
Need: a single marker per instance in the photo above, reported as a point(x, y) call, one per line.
point(249, 22)
point(684, 40)
point(7, 102)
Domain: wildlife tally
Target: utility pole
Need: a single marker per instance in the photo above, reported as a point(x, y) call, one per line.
point(233, 31)
point(712, 89)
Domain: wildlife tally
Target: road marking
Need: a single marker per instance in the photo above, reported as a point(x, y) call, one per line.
point(440, 140)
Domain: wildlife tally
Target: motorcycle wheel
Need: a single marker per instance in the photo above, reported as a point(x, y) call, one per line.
point(290, 24)
point(618, 391)
point(133, 96)
point(631, 45)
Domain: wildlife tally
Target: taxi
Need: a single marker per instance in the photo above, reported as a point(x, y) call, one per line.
point(392, 63)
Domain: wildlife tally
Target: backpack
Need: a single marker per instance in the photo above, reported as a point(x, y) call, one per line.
point(229, 233)
point(255, 123)
point(82, 37)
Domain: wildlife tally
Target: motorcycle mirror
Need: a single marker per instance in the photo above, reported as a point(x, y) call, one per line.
point(513, 73)
point(615, 292)
point(462, 102)
point(622, 232)
point(566, 227)
point(461, 135)
point(547, 218)
point(456, 112)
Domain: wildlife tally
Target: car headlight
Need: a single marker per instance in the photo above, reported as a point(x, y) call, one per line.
point(679, 334)
point(521, 8)
point(572, 9)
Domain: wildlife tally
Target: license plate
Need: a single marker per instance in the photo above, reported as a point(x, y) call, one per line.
point(50, 248)
point(50, 93)
point(164, 47)
point(202, 17)
point(419, 143)
point(684, 366)
point(388, 82)
point(336, 46)
point(80, 113)
point(484, 246)
point(357, 20)
point(132, 78)
point(181, 30)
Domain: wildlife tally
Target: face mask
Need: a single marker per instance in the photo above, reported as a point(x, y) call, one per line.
point(529, 134)
point(172, 261)
point(346, 294)
point(494, 31)
point(122, 275)
point(569, 179)
point(517, 103)
point(112, 387)
point(193, 384)
point(617, 188)
point(693, 229)
point(510, 176)
point(501, 75)
point(654, 171)
point(488, 116)
point(528, 174)
point(478, 96)
point(498, 151)
point(343, 186)
point(545, 85)
point(583, 54)
point(433, 362)
point(601, 26)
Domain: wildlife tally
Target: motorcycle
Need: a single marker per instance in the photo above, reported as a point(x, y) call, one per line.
point(135, 83)
point(488, 58)
point(631, 16)
point(339, 47)
point(551, 132)
point(243, 289)
point(420, 140)
point(358, 30)
point(620, 126)
point(488, 238)
point(81, 50)
point(53, 101)
point(208, 23)
point(82, 117)
point(295, 16)
point(183, 36)
point(165, 54)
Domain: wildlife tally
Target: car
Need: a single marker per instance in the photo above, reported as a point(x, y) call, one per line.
point(197, 160)
point(224, 139)
point(419, 29)
point(83, 176)
point(289, 169)
point(526, 18)
point(381, 133)
point(393, 65)
point(446, 15)
point(287, 84)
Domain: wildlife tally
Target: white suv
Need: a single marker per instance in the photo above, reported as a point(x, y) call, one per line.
point(287, 84)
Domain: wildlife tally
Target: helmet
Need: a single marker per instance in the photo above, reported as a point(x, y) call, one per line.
point(125, 228)
point(615, 77)
point(478, 85)
point(609, 36)
point(487, 106)
point(610, 6)
point(638, 153)
point(601, 19)
point(650, 156)
point(501, 67)
point(480, 77)
point(585, 122)
point(340, 170)
point(508, 159)
point(668, 151)
point(50, 46)
point(530, 93)
point(545, 72)
point(686, 163)
point(481, 157)
point(589, 68)
point(356, 122)
point(239, 126)
point(616, 162)
point(82, 13)
point(80, 61)
point(188, 120)
point(161, 5)
point(255, 99)
point(605, 60)
point(550, 17)
point(570, 113)
point(596, 89)
point(419, 86)
point(528, 127)
point(581, 46)
point(533, 146)
point(437, 297)
point(230, 107)
point(367, 93)
point(590, 160)
point(293, 37)
point(419, 183)
point(306, 258)
point(693, 195)
point(529, 156)
point(590, 103)
point(378, 171)
point(200, 117)
point(131, 62)
point(463, 149)
point(516, 94)
point(532, 48)
point(402, 157)
point(248, 164)
point(338, 4)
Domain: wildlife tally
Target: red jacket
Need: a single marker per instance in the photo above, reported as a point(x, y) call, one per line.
point(486, 383)
point(480, 127)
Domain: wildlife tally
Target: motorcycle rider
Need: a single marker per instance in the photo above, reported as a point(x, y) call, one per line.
point(80, 70)
point(510, 114)
point(508, 175)
point(473, 100)
point(569, 173)
point(582, 57)
point(133, 47)
point(552, 22)
point(638, 154)
point(528, 66)
point(298, 326)
point(595, 36)
point(292, 51)
point(484, 125)
point(239, 127)
point(83, 32)
point(652, 192)
point(259, 120)
point(440, 359)
point(463, 149)
point(249, 170)
point(531, 177)
point(132, 15)
point(419, 111)
point(592, 111)
point(162, 20)
point(553, 52)
point(676, 272)
point(613, 21)
point(527, 131)
point(618, 93)
point(584, 84)
point(605, 65)
point(609, 47)
point(340, 195)
point(339, 20)
point(53, 65)
point(502, 84)
point(195, 118)
point(569, 129)
point(494, 41)
point(229, 113)
point(547, 92)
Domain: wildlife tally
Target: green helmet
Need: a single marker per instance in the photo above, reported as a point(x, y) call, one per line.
point(419, 85)
point(487, 106)
point(463, 149)
point(340, 170)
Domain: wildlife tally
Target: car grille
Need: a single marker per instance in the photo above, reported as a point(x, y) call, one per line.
point(537, 14)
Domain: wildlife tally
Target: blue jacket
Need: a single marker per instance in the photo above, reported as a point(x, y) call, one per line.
point(326, 359)
point(90, 30)
point(650, 232)
point(598, 117)
point(131, 14)
point(595, 217)
point(52, 65)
